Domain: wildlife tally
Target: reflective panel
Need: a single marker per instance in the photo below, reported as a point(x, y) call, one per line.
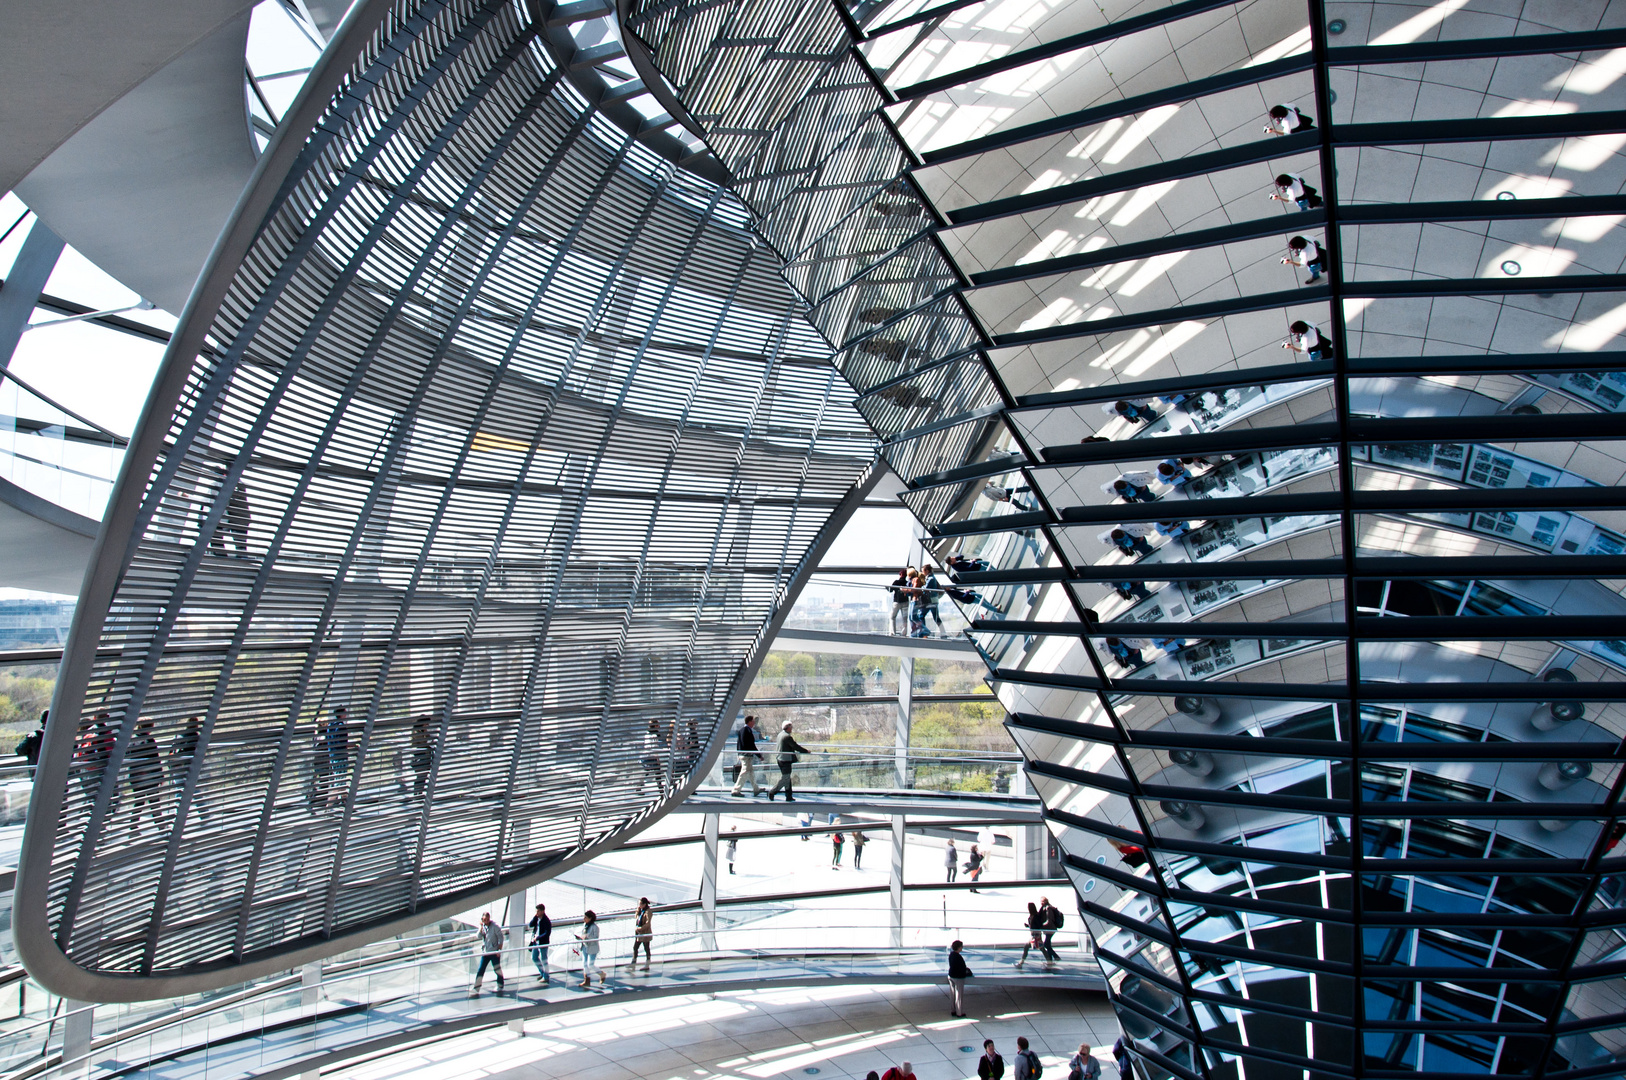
point(1274, 452)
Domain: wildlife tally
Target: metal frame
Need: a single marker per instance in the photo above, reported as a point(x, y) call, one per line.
point(394, 561)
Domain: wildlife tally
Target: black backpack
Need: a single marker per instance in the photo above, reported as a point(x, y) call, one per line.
point(1057, 919)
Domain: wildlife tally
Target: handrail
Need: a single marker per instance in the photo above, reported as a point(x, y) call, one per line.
point(117, 439)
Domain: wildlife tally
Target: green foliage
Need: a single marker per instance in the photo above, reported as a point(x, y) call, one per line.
point(24, 694)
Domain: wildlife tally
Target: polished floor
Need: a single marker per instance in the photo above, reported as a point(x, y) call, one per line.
point(828, 1033)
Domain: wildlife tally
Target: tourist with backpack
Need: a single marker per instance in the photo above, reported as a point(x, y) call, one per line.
point(1027, 1062)
point(1053, 920)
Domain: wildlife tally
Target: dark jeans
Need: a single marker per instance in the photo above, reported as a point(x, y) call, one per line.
point(1049, 953)
point(493, 961)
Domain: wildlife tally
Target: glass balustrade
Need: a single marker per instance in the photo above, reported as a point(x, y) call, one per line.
point(54, 453)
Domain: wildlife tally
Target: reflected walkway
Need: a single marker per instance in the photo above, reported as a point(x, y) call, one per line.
point(352, 1023)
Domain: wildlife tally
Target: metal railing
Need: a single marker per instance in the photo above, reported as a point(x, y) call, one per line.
point(771, 938)
point(855, 766)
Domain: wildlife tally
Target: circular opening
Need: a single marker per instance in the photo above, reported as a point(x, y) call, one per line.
point(1337, 26)
point(1505, 196)
point(1332, 97)
point(1559, 674)
point(1089, 885)
point(1511, 268)
point(1575, 770)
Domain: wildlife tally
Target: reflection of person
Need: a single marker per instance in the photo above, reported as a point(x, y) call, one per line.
point(1302, 251)
point(951, 861)
point(836, 841)
point(733, 848)
point(858, 850)
point(1290, 187)
point(973, 867)
point(1286, 119)
point(1306, 339)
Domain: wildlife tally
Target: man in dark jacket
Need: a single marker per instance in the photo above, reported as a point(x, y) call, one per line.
point(788, 748)
point(29, 748)
point(1052, 923)
point(958, 973)
point(746, 745)
point(541, 930)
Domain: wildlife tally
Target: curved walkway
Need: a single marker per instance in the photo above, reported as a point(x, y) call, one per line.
point(307, 1038)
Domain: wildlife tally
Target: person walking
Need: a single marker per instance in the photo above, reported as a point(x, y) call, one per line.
point(541, 929)
point(958, 973)
point(182, 749)
point(1083, 1065)
point(931, 595)
point(146, 775)
point(91, 753)
point(423, 754)
point(1120, 1057)
point(29, 748)
point(588, 936)
point(746, 746)
point(906, 1071)
point(338, 756)
point(788, 749)
point(902, 597)
point(490, 940)
point(1027, 1062)
point(990, 1066)
point(643, 931)
point(733, 847)
point(951, 861)
point(858, 850)
point(1035, 925)
point(836, 840)
point(973, 866)
point(1051, 922)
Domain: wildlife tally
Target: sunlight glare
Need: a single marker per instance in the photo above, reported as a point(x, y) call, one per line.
point(1415, 27)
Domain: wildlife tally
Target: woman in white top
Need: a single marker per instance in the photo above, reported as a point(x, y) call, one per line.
point(588, 936)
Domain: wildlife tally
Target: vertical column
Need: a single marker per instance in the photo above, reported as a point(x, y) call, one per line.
point(310, 993)
point(518, 914)
point(897, 880)
point(78, 1019)
point(310, 984)
point(708, 887)
point(29, 273)
point(906, 700)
